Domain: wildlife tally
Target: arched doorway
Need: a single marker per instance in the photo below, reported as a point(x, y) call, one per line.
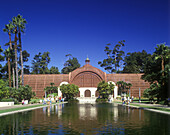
point(87, 93)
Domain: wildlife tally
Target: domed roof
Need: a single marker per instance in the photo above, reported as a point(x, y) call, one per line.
point(87, 58)
point(87, 68)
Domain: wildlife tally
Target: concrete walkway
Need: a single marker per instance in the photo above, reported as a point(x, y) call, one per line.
point(26, 109)
point(150, 109)
point(153, 105)
point(16, 106)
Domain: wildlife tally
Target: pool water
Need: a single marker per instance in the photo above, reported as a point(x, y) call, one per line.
point(86, 119)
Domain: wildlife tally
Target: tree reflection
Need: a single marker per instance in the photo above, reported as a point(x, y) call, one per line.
point(85, 119)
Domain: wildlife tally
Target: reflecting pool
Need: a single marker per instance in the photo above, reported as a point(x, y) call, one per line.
point(85, 119)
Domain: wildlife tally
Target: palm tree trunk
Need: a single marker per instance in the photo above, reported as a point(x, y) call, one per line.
point(21, 57)
point(16, 62)
point(9, 71)
point(163, 68)
point(13, 71)
point(9, 64)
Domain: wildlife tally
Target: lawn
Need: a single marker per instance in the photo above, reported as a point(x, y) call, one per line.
point(19, 108)
point(152, 107)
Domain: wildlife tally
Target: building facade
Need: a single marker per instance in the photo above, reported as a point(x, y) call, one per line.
point(87, 78)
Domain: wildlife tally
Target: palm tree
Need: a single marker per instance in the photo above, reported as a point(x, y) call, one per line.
point(161, 53)
point(9, 28)
point(121, 87)
point(128, 86)
point(20, 23)
point(14, 20)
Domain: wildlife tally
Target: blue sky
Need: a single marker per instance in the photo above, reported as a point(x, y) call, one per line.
point(84, 27)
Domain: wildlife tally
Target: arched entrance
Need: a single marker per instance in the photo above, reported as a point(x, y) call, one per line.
point(87, 93)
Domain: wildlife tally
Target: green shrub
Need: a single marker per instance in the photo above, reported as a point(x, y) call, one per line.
point(32, 101)
point(101, 100)
point(54, 95)
point(118, 98)
point(7, 100)
point(73, 101)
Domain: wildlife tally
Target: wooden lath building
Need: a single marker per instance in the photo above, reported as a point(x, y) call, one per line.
point(87, 78)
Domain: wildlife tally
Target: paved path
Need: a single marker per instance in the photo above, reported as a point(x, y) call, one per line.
point(26, 109)
point(153, 105)
point(18, 106)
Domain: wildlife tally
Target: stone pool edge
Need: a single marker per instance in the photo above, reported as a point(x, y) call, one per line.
point(149, 109)
point(28, 109)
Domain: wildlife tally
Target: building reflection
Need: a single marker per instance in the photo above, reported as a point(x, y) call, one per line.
point(87, 111)
point(59, 106)
point(82, 119)
point(115, 110)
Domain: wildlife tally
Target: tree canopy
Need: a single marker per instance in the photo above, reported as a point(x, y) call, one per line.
point(135, 62)
point(69, 90)
point(105, 89)
point(70, 65)
point(157, 69)
point(54, 70)
point(1, 59)
point(23, 92)
point(51, 89)
point(123, 87)
point(40, 63)
point(114, 61)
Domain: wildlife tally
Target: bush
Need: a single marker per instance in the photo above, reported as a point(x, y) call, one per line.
point(32, 101)
point(4, 90)
point(118, 98)
point(54, 95)
point(73, 101)
point(101, 100)
point(7, 100)
point(69, 90)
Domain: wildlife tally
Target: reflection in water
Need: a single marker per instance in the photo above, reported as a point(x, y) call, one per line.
point(115, 110)
point(44, 110)
point(85, 119)
point(59, 110)
point(139, 114)
point(87, 111)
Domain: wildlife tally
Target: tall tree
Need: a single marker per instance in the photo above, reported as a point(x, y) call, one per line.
point(36, 64)
point(20, 22)
point(70, 65)
point(14, 21)
point(156, 70)
point(114, 59)
point(40, 63)
point(134, 62)
point(9, 29)
point(121, 87)
point(25, 55)
point(1, 59)
point(45, 60)
point(8, 54)
point(54, 70)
